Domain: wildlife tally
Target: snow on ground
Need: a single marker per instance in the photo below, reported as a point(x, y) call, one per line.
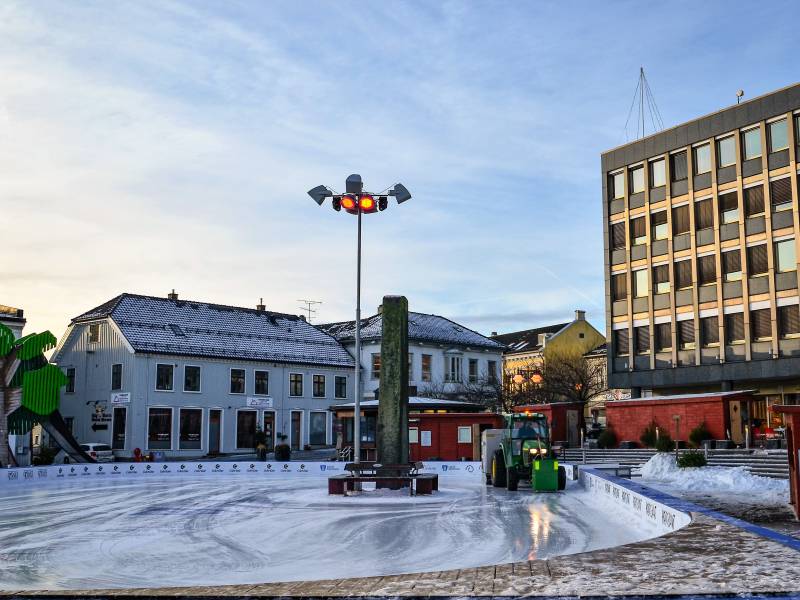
point(189, 531)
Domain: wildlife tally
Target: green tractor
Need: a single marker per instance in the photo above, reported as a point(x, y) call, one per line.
point(522, 451)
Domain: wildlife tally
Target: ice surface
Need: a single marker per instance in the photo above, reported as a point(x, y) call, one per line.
point(192, 531)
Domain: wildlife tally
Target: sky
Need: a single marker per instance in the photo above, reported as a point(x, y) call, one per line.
point(152, 145)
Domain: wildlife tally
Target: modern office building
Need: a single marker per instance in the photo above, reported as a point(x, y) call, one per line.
point(701, 231)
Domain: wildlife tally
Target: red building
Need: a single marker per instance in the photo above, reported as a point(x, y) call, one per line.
point(792, 417)
point(565, 420)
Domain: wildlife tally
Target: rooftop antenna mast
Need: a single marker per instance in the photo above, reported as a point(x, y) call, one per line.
point(645, 103)
point(309, 307)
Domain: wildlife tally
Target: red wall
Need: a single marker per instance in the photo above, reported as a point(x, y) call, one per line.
point(792, 418)
point(444, 434)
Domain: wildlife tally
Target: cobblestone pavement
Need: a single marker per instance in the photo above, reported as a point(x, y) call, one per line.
point(707, 557)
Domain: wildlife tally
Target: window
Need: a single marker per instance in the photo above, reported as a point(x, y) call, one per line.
point(709, 331)
point(191, 427)
point(760, 325)
point(726, 152)
point(318, 386)
point(237, 381)
point(778, 134)
point(617, 235)
point(732, 265)
point(452, 368)
point(661, 279)
point(318, 429)
point(413, 435)
point(246, 428)
point(754, 200)
point(491, 367)
point(618, 185)
point(658, 176)
point(473, 370)
point(426, 367)
point(70, 389)
point(686, 335)
point(340, 387)
point(702, 159)
point(680, 220)
point(642, 335)
point(734, 328)
point(262, 383)
point(785, 256)
point(780, 192)
point(757, 260)
point(683, 274)
point(295, 384)
point(638, 235)
point(707, 269)
point(729, 208)
point(658, 225)
point(679, 168)
point(751, 143)
point(94, 333)
point(116, 376)
point(465, 435)
point(789, 321)
point(663, 337)
point(621, 342)
point(619, 286)
point(118, 427)
point(410, 366)
point(164, 377)
point(703, 215)
point(637, 180)
point(640, 283)
point(191, 379)
point(159, 429)
point(376, 365)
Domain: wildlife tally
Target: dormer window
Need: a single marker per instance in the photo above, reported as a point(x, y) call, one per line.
point(94, 333)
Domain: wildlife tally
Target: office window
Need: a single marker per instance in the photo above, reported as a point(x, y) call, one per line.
point(679, 168)
point(778, 134)
point(680, 220)
point(637, 180)
point(751, 143)
point(94, 333)
point(785, 256)
point(658, 225)
point(191, 379)
point(780, 193)
point(246, 428)
point(732, 265)
point(491, 367)
point(164, 377)
point(640, 283)
point(683, 274)
point(410, 366)
point(709, 331)
point(703, 214)
point(707, 269)
point(757, 260)
point(426, 367)
point(702, 159)
point(638, 231)
point(617, 185)
point(661, 279)
point(789, 321)
point(686, 335)
point(190, 428)
point(237, 381)
point(754, 200)
point(340, 387)
point(729, 208)
point(472, 367)
point(70, 389)
point(159, 429)
point(116, 377)
point(658, 175)
point(642, 336)
point(261, 383)
point(760, 325)
point(295, 384)
point(621, 342)
point(619, 286)
point(318, 386)
point(618, 235)
point(465, 435)
point(663, 337)
point(726, 152)
point(452, 371)
point(376, 365)
point(734, 328)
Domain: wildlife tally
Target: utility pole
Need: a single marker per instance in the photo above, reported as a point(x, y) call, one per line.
point(308, 307)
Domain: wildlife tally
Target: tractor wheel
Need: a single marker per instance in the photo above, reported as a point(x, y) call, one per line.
point(498, 469)
point(512, 479)
point(562, 478)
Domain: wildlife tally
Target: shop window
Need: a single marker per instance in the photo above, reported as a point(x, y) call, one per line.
point(191, 427)
point(318, 429)
point(159, 429)
point(246, 428)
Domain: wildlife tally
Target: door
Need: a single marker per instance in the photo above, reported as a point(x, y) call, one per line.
point(214, 430)
point(118, 428)
point(737, 429)
point(297, 429)
point(573, 436)
point(269, 430)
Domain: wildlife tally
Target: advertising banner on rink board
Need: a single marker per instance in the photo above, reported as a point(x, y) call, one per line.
point(124, 470)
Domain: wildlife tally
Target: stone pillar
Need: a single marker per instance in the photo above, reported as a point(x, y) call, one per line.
point(393, 399)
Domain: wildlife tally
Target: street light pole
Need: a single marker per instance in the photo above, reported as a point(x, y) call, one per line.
point(357, 412)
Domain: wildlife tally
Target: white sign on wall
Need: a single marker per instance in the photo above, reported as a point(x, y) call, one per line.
point(121, 398)
point(262, 402)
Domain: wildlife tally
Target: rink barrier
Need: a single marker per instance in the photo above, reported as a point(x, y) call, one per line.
point(274, 469)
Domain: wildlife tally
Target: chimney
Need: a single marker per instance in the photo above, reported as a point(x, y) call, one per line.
point(260, 305)
point(172, 295)
point(494, 334)
point(580, 315)
point(380, 309)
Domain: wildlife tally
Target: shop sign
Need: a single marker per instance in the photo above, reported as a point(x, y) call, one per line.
point(259, 402)
point(121, 398)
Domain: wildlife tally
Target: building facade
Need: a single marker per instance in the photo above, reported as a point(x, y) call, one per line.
point(191, 378)
point(701, 231)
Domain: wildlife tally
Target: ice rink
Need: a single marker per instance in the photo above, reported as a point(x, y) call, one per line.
point(228, 530)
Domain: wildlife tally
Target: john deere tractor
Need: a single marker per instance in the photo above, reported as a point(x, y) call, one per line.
point(522, 451)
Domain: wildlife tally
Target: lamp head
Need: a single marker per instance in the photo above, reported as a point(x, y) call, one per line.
point(353, 184)
point(319, 193)
point(400, 193)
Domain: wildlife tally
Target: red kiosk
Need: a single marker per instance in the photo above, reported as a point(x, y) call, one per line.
point(792, 418)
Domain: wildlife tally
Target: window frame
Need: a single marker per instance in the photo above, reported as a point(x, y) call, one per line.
point(255, 382)
point(613, 179)
point(659, 231)
point(781, 318)
point(653, 170)
point(790, 242)
point(728, 138)
point(733, 275)
point(695, 163)
point(171, 427)
point(635, 285)
point(236, 430)
point(172, 378)
point(770, 125)
point(634, 174)
point(449, 371)
point(244, 381)
point(426, 376)
point(375, 374)
point(336, 379)
point(472, 378)
point(291, 385)
point(468, 430)
point(314, 385)
point(121, 373)
point(199, 389)
point(703, 328)
point(181, 409)
point(744, 134)
point(70, 373)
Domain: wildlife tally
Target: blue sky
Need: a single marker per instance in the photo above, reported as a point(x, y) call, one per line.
point(152, 145)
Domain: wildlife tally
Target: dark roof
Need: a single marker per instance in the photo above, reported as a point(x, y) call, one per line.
point(191, 328)
point(421, 328)
point(420, 403)
point(601, 350)
point(526, 340)
point(11, 314)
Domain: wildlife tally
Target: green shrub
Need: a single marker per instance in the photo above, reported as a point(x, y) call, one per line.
point(699, 434)
point(665, 443)
point(607, 439)
point(692, 458)
point(648, 437)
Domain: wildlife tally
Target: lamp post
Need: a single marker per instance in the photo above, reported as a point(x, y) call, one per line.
point(357, 202)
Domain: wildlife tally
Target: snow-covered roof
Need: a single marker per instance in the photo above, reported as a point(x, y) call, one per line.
point(421, 328)
point(418, 401)
point(527, 340)
point(191, 328)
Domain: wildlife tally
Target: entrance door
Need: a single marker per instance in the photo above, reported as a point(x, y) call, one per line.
point(214, 430)
point(573, 437)
point(118, 428)
point(297, 429)
point(269, 430)
point(736, 416)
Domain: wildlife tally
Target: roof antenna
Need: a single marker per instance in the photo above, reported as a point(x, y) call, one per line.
point(739, 95)
point(645, 102)
point(308, 307)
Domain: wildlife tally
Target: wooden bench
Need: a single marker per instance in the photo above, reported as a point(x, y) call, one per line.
point(392, 477)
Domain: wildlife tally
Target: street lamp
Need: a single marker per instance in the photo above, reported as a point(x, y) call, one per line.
point(357, 202)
